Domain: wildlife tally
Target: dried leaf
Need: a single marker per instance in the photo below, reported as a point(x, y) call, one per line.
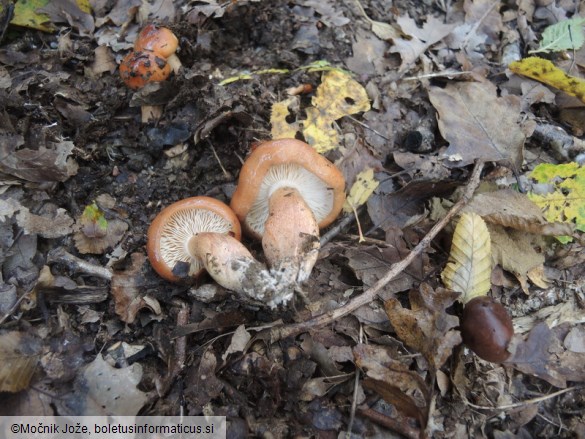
point(41, 165)
point(48, 225)
point(514, 252)
point(105, 390)
point(543, 355)
point(509, 208)
point(420, 39)
point(426, 327)
point(126, 290)
point(478, 124)
point(566, 201)
point(394, 381)
point(470, 262)
point(360, 191)
point(239, 342)
point(384, 31)
point(546, 72)
point(20, 354)
point(338, 95)
point(205, 386)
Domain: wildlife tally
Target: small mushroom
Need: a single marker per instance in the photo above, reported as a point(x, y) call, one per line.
point(201, 233)
point(160, 40)
point(152, 60)
point(286, 192)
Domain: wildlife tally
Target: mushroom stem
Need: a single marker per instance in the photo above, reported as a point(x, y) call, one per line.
point(291, 236)
point(232, 266)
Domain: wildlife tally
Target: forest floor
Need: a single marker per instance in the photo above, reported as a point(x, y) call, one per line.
point(407, 98)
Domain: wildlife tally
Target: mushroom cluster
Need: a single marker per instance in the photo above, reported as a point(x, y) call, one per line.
point(286, 192)
point(152, 59)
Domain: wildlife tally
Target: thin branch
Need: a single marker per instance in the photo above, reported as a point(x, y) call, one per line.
point(523, 403)
point(280, 332)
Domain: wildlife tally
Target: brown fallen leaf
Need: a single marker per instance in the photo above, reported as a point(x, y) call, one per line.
point(49, 162)
point(509, 208)
point(394, 381)
point(370, 263)
point(515, 252)
point(20, 355)
point(426, 327)
point(420, 39)
point(542, 354)
point(478, 124)
point(126, 288)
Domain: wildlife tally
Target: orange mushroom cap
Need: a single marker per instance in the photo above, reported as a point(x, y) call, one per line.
point(141, 67)
point(160, 40)
point(287, 163)
point(170, 233)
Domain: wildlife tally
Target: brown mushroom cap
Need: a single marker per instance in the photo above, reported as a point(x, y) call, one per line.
point(159, 40)
point(287, 163)
point(175, 225)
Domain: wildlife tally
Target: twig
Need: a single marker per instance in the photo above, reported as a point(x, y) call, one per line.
point(74, 263)
point(355, 392)
point(523, 403)
point(447, 73)
point(366, 126)
point(393, 424)
point(181, 342)
point(337, 228)
point(280, 332)
point(562, 144)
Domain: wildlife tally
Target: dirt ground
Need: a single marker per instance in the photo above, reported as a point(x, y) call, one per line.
point(72, 135)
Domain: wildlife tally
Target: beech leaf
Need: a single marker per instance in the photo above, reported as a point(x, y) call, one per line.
point(470, 262)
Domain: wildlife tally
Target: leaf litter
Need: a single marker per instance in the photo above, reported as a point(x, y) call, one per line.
point(404, 99)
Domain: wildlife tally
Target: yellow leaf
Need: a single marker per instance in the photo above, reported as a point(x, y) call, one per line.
point(470, 261)
point(26, 14)
point(360, 191)
point(281, 128)
point(546, 72)
point(338, 95)
point(566, 200)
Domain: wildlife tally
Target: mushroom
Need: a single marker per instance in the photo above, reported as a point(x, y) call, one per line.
point(201, 233)
point(486, 329)
point(160, 40)
point(152, 60)
point(286, 192)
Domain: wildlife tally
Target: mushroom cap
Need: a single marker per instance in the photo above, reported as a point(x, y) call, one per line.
point(287, 163)
point(175, 225)
point(160, 40)
point(141, 67)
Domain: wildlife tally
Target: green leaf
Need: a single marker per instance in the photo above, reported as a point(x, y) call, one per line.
point(565, 35)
